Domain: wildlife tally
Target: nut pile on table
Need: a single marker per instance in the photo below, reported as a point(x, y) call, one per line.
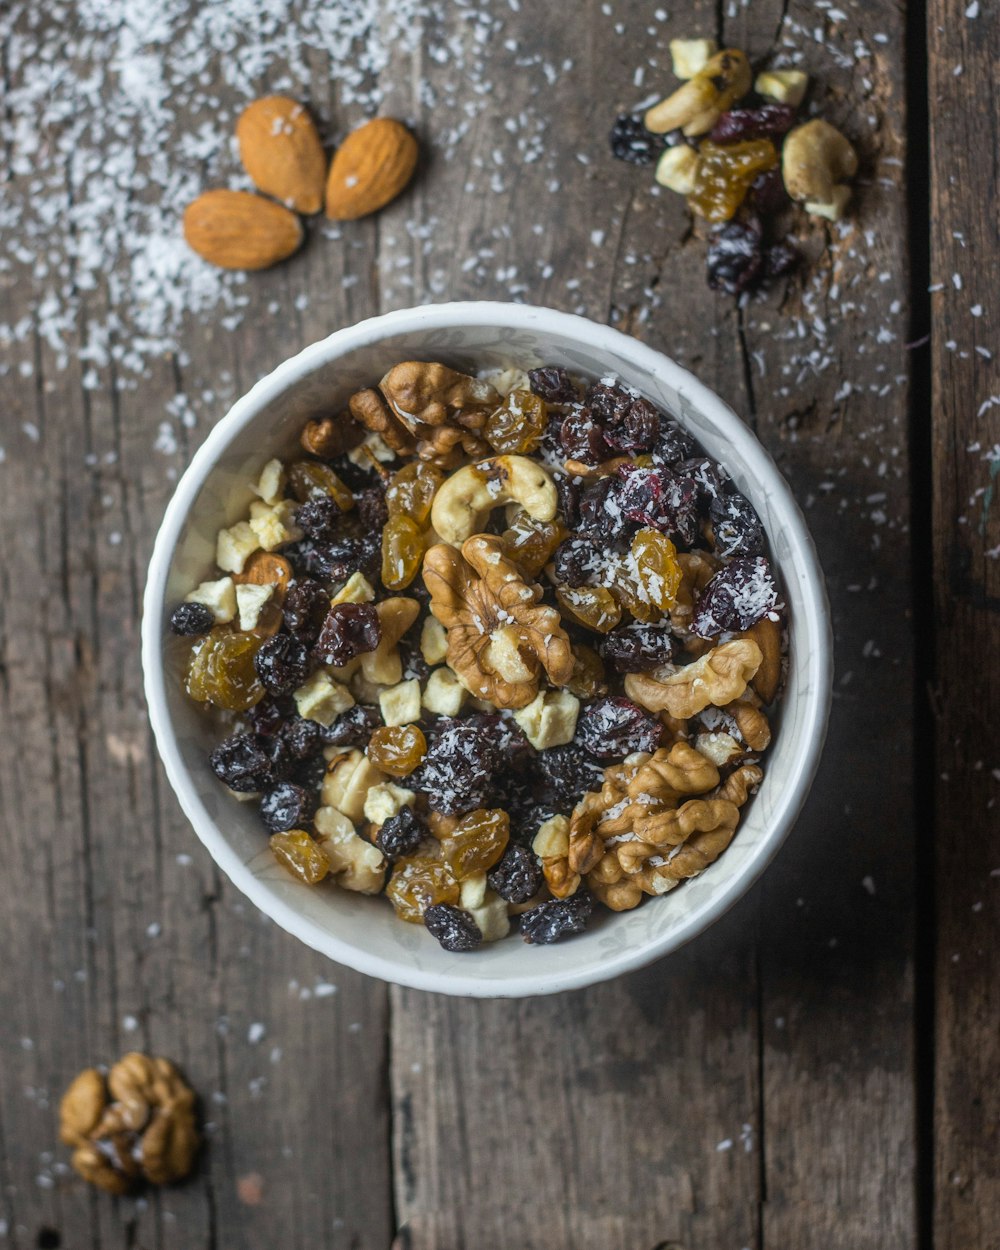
point(497, 646)
point(740, 152)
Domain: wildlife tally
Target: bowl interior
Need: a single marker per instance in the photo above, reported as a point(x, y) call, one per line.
point(363, 932)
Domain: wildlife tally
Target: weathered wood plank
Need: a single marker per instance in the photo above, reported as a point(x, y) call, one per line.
point(964, 128)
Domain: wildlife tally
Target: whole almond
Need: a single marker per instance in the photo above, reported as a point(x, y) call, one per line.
point(281, 151)
point(240, 230)
point(369, 169)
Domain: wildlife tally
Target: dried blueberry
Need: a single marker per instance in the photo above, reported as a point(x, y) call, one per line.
point(287, 806)
point(738, 596)
point(281, 663)
point(454, 929)
point(319, 519)
point(736, 526)
point(632, 142)
point(191, 618)
point(552, 384)
point(570, 772)
point(768, 121)
point(736, 257)
point(636, 648)
point(518, 875)
point(548, 922)
point(352, 728)
point(401, 834)
point(662, 499)
point(582, 438)
point(350, 629)
point(614, 727)
point(249, 762)
point(306, 605)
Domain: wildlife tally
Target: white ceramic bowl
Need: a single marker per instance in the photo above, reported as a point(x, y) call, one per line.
point(363, 932)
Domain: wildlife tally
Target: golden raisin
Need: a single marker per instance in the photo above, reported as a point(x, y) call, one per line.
point(403, 543)
point(650, 576)
point(411, 491)
point(301, 855)
point(418, 883)
point(476, 842)
point(397, 749)
point(724, 175)
point(517, 426)
point(221, 671)
point(311, 480)
point(531, 544)
point(593, 606)
point(587, 679)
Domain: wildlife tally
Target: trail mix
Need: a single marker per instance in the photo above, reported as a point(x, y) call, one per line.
point(741, 152)
point(495, 647)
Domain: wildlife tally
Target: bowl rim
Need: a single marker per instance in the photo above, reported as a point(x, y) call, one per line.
point(816, 623)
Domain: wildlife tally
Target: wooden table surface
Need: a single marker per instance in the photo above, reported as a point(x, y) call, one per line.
point(820, 1068)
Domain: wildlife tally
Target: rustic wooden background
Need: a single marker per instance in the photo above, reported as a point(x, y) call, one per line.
point(820, 1069)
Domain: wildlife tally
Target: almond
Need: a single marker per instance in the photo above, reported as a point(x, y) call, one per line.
point(370, 168)
point(281, 151)
point(240, 230)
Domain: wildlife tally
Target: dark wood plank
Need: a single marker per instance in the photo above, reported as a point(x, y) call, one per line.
point(964, 128)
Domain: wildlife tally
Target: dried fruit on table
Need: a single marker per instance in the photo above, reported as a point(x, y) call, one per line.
point(454, 928)
point(411, 491)
point(418, 883)
point(239, 230)
point(518, 424)
point(301, 855)
point(311, 479)
point(592, 606)
point(397, 749)
point(281, 151)
point(403, 546)
point(768, 121)
point(371, 167)
point(725, 174)
point(476, 843)
point(632, 142)
point(222, 671)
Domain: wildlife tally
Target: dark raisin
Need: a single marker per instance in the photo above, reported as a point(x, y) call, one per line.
point(767, 193)
point(309, 773)
point(518, 875)
point(401, 834)
point(414, 664)
point(552, 384)
point(372, 508)
point(249, 762)
point(352, 728)
point(302, 737)
point(319, 519)
point(335, 561)
point(738, 596)
point(736, 526)
point(636, 648)
point(577, 561)
point(582, 438)
point(571, 772)
point(768, 121)
point(614, 727)
point(269, 715)
point(350, 629)
point(673, 443)
point(780, 258)
point(736, 256)
point(454, 929)
point(357, 477)
point(282, 664)
point(287, 806)
point(709, 478)
point(632, 142)
point(548, 922)
point(191, 618)
point(638, 428)
point(306, 605)
point(601, 515)
point(568, 491)
point(662, 499)
point(608, 401)
point(458, 768)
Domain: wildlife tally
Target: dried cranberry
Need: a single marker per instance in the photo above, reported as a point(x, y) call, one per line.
point(614, 727)
point(302, 737)
point(709, 478)
point(767, 193)
point(518, 875)
point(401, 834)
point(577, 560)
point(352, 728)
point(632, 142)
point(637, 647)
point(736, 256)
point(673, 443)
point(287, 806)
point(738, 596)
point(662, 499)
point(637, 429)
point(568, 490)
point(188, 619)
point(548, 922)
point(249, 762)
point(768, 121)
point(372, 509)
point(601, 515)
point(458, 768)
point(454, 929)
point(582, 438)
point(736, 526)
point(282, 664)
point(780, 258)
point(571, 772)
point(350, 629)
point(552, 384)
point(306, 605)
point(319, 519)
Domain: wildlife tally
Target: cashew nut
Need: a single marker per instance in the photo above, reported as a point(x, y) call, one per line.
point(814, 159)
point(696, 106)
point(465, 500)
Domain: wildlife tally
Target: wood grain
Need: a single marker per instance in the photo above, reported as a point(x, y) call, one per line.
point(965, 409)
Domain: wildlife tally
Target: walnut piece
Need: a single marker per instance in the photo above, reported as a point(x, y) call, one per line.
point(718, 677)
point(499, 636)
point(767, 679)
point(330, 436)
point(139, 1125)
point(426, 393)
point(370, 410)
